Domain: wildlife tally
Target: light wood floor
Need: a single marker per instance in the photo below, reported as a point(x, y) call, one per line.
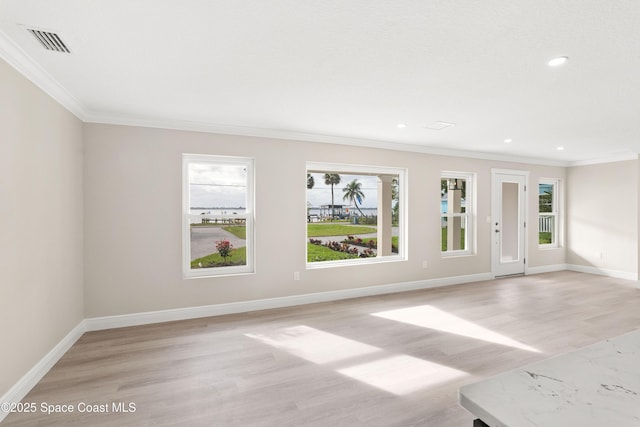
point(393, 360)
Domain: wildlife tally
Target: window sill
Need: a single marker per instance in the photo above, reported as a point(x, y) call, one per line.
point(548, 247)
point(353, 262)
point(456, 254)
point(209, 275)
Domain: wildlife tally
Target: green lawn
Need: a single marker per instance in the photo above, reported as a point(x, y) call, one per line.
point(238, 257)
point(317, 253)
point(240, 231)
point(544, 238)
point(318, 230)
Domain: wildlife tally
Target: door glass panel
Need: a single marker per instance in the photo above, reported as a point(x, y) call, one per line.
point(509, 232)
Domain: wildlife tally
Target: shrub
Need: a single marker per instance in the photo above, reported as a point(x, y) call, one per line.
point(353, 240)
point(333, 245)
point(341, 247)
point(224, 248)
point(367, 253)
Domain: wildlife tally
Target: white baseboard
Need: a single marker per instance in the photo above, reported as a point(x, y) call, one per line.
point(546, 269)
point(583, 269)
point(35, 374)
point(108, 322)
point(603, 272)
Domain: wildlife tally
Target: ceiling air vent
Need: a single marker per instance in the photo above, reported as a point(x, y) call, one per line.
point(50, 41)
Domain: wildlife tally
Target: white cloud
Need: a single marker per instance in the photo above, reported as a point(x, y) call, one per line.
point(217, 185)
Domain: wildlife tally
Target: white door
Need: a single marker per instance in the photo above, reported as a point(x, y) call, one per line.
point(508, 222)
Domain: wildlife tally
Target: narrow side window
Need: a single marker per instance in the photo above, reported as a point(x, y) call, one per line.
point(548, 213)
point(456, 213)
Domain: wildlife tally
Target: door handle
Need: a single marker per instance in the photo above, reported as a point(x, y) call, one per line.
point(497, 231)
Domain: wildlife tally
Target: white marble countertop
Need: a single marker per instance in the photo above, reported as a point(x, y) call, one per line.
point(598, 385)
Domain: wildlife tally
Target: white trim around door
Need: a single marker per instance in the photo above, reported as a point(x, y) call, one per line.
point(509, 207)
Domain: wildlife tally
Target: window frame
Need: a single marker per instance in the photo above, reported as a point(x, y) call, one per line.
point(470, 214)
point(555, 234)
point(350, 169)
point(249, 215)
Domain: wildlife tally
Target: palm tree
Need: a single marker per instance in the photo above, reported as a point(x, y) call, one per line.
point(310, 181)
point(353, 193)
point(332, 179)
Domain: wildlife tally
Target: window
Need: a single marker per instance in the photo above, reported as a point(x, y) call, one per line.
point(217, 215)
point(548, 213)
point(355, 214)
point(456, 213)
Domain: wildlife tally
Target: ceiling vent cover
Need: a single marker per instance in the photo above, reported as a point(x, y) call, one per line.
point(50, 41)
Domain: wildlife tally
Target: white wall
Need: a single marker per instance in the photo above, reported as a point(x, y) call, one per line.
point(41, 225)
point(133, 224)
point(602, 213)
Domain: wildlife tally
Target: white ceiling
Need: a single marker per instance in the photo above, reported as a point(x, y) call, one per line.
point(349, 71)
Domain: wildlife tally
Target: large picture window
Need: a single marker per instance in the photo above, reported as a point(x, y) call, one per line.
point(355, 214)
point(217, 215)
point(456, 213)
point(548, 213)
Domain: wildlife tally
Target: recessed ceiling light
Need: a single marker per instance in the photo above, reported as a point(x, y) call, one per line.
point(559, 148)
point(402, 125)
point(558, 61)
point(439, 125)
point(508, 141)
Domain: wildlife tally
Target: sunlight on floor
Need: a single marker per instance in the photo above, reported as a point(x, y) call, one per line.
point(431, 317)
point(396, 374)
point(402, 374)
point(314, 345)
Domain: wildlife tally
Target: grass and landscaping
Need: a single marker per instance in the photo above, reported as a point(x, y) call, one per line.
point(544, 238)
point(238, 257)
point(317, 253)
point(394, 241)
point(365, 242)
point(319, 230)
point(240, 231)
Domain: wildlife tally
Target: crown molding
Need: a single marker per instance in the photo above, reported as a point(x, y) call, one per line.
point(185, 125)
point(620, 157)
point(25, 65)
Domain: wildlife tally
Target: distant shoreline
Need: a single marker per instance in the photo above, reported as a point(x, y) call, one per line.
point(216, 208)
